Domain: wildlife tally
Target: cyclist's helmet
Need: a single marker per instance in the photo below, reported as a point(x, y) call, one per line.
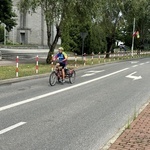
point(61, 48)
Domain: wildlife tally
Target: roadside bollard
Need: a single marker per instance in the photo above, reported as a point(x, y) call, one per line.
point(118, 56)
point(75, 59)
point(99, 57)
point(52, 65)
point(128, 55)
point(92, 58)
point(114, 56)
point(37, 63)
point(105, 56)
point(17, 65)
point(84, 57)
point(110, 56)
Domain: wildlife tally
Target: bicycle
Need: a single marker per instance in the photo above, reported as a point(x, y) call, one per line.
point(56, 75)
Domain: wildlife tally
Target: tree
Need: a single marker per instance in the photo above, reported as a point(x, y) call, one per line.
point(63, 14)
point(111, 21)
point(55, 12)
point(108, 21)
point(60, 13)
point(101, 19)
point(84, 12)
point(97, 39)
point(7, 15)
point(140, 11)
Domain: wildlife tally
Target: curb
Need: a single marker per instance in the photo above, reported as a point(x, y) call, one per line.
point(14, 80)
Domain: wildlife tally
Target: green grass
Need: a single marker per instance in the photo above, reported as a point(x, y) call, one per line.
point(7, 72)
point(128, 124)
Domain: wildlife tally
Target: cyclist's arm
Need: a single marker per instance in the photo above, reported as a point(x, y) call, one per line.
point(54, 57)
point(65, 56)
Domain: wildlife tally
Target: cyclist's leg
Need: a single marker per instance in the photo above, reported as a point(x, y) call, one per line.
point(63, 71)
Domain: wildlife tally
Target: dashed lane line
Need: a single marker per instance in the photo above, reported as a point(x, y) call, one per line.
point(12, 127)
point(135, 66)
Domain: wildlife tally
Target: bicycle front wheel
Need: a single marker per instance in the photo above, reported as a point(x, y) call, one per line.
point(52, 78)
point(72, 77)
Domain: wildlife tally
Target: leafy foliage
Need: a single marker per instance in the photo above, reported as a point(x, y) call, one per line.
point(140, 11)
point(6, 14)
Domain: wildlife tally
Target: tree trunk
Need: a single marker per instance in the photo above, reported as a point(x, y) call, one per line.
point(108, 39)
point(53, 45)
point(48, 42)
point(49, 38)
point(110, 43)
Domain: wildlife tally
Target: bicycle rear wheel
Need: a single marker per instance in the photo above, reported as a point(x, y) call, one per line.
point(52, 78)
point(72, 76)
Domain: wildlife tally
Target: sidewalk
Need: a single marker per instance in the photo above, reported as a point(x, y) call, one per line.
point(137, 137)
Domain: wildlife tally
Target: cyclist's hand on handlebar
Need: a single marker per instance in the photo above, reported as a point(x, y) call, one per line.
point(53, 59)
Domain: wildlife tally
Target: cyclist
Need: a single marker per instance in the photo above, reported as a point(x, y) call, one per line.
point(62, 57)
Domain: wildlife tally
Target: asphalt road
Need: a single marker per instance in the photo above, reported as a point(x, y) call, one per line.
point(81, 116)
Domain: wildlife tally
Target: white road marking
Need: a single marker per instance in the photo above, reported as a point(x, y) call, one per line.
point(142, 64)
point(92, 73)
point(96, 71)
point(12, 127)
point(147, 62)
point(88, 74)
point(59, 91)
point(135, 66)
point(133, 77)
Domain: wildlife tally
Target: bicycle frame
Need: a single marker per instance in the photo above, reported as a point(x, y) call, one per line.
point(58, 71)
point(56, 75)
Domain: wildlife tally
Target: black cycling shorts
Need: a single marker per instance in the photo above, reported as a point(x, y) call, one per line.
point(62, 65)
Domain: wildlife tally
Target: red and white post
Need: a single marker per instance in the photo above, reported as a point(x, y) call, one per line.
point(110, 56)
point(118, 56)
point(84, 58)
point(105, 56)
point(92, 58)
point(114, 55)
point(37, 64)
point(99, 57)
point(75, 59)
point(17, 65)
point(52, 64)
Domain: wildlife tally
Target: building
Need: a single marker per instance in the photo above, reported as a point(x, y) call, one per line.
point(31, 28)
